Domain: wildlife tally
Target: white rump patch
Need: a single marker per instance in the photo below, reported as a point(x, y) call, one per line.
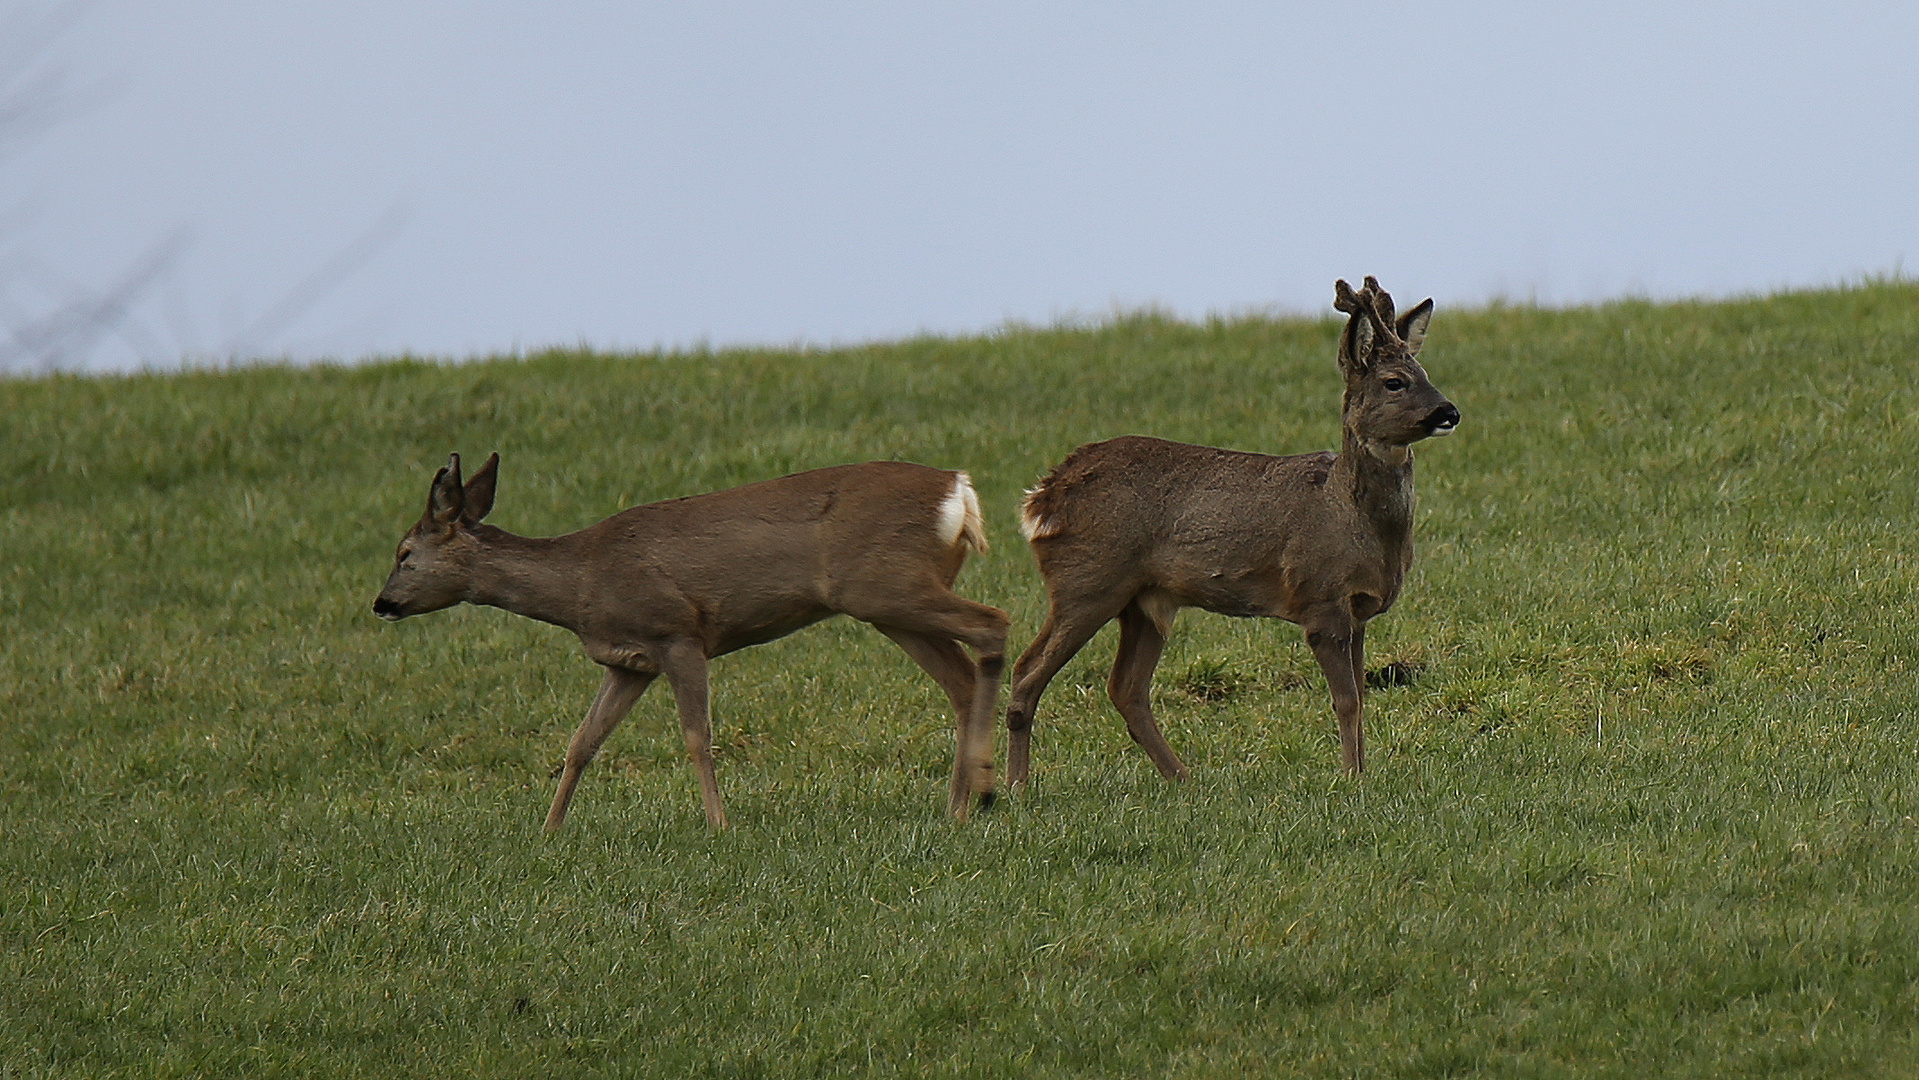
point(960, 520)
point(1031, 525)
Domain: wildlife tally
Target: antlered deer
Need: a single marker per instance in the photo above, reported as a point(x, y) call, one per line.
point(1136, 528)
point(663, 588)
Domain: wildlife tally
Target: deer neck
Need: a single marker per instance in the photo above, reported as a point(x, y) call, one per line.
point(527, 576)
point(1379, 478)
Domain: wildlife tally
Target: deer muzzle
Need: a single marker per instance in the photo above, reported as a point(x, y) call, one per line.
point(1443, 420)
point(388, 610)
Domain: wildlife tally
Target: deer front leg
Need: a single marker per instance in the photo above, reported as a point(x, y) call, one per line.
point(1339, 647)
point(618, 691)
point(685, 668)
point(1358, 650)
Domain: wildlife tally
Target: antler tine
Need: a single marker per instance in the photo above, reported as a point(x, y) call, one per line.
point(1354, 337)
point(1382, 304)
point(1366, 302)
point(1344, 299)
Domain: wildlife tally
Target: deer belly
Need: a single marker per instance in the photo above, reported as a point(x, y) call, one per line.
point(1242, 595)
point(769, 626)
point(1239, 605)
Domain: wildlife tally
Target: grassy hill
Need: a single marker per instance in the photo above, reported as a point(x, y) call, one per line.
point(1649, 806)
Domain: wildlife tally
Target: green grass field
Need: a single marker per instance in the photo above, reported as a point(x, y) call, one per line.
point(1648, 809)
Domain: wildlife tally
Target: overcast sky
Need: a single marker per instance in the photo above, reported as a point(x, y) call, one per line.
point(348, 178)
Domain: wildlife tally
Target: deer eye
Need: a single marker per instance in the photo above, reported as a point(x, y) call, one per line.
point(1393, 383)
point(405, 554)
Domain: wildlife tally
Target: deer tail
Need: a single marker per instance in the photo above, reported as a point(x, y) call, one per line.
point(1037, 512)
point(960, 521)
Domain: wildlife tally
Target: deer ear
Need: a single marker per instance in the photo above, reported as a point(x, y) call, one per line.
point(445, 499)
point(478, 493)
point(1412, 325)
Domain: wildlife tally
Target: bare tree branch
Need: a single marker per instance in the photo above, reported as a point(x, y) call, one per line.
point(36, 92)
point(311, 289)
point(33, 91)
point(48, 323)
point(63, 338)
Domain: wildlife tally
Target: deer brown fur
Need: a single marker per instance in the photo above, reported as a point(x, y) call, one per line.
point(1136, 528)
point(661, 589)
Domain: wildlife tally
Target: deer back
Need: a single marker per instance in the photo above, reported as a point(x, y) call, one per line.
point(754, 562)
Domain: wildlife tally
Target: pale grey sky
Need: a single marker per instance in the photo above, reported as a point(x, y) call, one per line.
point(353, 177)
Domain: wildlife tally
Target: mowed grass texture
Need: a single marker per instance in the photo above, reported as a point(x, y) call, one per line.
point(1647, 806)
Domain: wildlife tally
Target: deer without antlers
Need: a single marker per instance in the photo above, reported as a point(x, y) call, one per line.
point(663, 588)
point(1136, 528)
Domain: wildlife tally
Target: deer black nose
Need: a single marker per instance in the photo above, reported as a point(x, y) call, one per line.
point(1443, 420)
point(386, 609)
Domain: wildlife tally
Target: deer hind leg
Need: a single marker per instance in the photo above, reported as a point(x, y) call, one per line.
point(618, 691)
point(1069, 626)
point(1340, 647)
point(936, 613)
point(685, 667)
point(959, 676)
point(1131, 687)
